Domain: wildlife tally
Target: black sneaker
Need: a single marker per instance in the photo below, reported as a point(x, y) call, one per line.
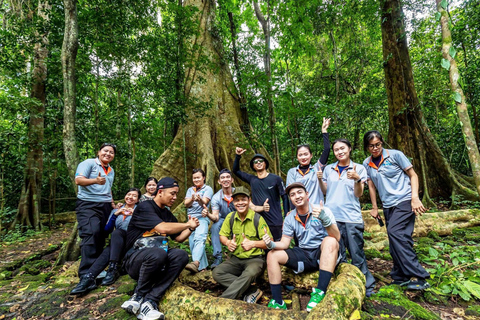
point(133, 304)
point(112, 275)
point(420, 284)
point(86, 284)
point(149, 311)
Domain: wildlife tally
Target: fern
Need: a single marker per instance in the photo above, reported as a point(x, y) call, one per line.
point(473, 288)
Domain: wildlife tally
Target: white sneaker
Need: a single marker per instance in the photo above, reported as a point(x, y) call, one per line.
point(149, 311)
point(253, 297)
point(133, 304)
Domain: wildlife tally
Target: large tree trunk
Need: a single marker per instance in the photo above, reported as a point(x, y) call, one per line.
point(28, 214)
point(408, 129)
point(208, 139)
point(462, 111)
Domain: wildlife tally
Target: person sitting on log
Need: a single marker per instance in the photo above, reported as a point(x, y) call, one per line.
point(241, 234)
point(222, 205)
point(197, 197)
point(267, 189)
point(149, 260)
point(113, 253)
point(318, 237)
point(150, 188)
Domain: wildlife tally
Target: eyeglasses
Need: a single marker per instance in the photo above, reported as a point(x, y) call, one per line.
point(258, 161)
point(374, 146)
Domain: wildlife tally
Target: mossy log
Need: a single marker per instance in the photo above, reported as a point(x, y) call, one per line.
point(345, 295)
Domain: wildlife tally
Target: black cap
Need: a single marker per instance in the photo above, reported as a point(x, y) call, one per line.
point(241, 190)
point(294, 185)
point(166, 183)
point(261, 156)
point(225, 170)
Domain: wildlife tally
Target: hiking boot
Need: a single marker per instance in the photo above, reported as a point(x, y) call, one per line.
point(112, 275)
point(216, 263)
point(149, 311)
point(133, 304)
point(317, 296)
point(272, 304)
point(192, 267)
point(420, 284)
point(253, 297)
point(86, 284)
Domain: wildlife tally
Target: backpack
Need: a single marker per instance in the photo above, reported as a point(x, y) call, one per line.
point(256, 220)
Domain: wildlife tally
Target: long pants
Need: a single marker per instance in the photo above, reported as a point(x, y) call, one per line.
point(91, 217)
point(238, 274)
point(215, 232)
point(155, 270)
point(352, 239)
point(400, 221)
point(197, 243)
point(112, 253)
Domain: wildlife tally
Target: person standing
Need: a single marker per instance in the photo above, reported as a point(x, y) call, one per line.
point(343, 183)
point(391, 173)
point(267, 190)
point(197, 197)
point(94, 178)
point(222, 205)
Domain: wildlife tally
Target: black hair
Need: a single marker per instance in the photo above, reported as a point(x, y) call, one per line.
point(304, 146)
point(150, 179)
point(369, 136)
point(343, 141)
point(137, 190)
point(198, 170)
point(106, 144)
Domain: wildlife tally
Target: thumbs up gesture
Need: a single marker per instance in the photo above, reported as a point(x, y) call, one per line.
point(268, 241)
point(352, 174)
point(204, 211)
point(247, 244)
point(266, 206)
point(320, 174)
point(232, 244)
point(320, 213)
point(100, 180)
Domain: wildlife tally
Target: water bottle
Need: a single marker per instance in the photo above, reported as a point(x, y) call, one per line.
point(164, 245)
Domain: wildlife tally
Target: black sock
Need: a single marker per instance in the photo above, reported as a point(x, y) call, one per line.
point(276, 292)
point(323, 280)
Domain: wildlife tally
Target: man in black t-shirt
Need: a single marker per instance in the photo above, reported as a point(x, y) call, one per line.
point(267, 189)
point(148, 260)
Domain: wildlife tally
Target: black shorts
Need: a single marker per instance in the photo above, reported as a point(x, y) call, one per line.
point(303, 260)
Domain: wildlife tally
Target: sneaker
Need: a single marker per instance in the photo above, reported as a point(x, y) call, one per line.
point(86, 284)
point(149, 311)
point(112, 275)
point(133, 304)
point(317, 296)
point(253, 297)
point(420, 284)
point(216, 263)
point(192, 267)
point(274, 305)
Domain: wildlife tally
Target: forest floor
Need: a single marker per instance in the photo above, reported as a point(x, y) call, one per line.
point(31, 288)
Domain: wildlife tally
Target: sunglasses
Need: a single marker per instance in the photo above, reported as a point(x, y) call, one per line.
point(258, 161)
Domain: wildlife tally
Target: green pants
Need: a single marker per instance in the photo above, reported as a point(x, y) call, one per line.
point(238, 274)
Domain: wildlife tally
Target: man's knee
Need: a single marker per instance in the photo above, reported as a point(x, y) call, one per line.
point(275, 257)
point(154, 255)
point(253, 271)
point(330, 245)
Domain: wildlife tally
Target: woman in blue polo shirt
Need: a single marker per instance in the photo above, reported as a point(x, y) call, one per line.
point(305, 172)
point(343, 183)
point(94, 178)
point(391, 173)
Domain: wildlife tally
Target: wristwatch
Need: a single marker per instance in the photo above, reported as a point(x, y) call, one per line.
point(358, 181)
point(191, 229)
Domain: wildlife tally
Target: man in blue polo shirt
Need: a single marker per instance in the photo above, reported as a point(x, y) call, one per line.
point(318, 237)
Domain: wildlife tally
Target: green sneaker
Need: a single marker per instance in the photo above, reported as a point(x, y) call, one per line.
point(317, 296)
point(274, 305)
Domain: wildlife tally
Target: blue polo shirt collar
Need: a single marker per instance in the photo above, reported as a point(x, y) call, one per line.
point(195, 188)
point(385, 155)
point(310, 167)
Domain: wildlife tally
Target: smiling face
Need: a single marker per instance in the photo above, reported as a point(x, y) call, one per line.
point(304, 156)
point(299, 197)
point(225, 180)
point(106, 154)
point(167, 197)
point(131, 198)
point(241, 202)
point(375, 147)
point(259, 164)
point(151, 187)
point(341, 151)
point(198, 179)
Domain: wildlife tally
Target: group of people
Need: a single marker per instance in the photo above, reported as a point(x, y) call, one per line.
point(321, 214)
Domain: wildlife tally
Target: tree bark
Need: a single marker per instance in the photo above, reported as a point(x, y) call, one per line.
point(460, 101)
point(408, 130)
point(28, 215)
point(265, 22)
